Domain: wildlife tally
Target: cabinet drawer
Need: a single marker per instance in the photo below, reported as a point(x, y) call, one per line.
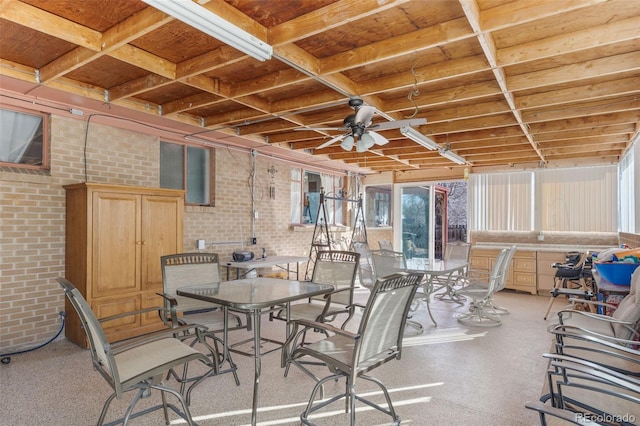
point(524, 279)
point(525, 265)
point(480, 263)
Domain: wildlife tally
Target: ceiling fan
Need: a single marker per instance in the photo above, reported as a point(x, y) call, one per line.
point(360, 129)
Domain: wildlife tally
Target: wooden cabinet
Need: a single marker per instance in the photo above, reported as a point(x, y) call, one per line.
point(522, 271)
point(115, 236)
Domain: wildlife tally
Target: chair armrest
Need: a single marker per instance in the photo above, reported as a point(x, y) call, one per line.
point(547, 410)
point(306, 324)
point(323, 326)
point(567, 313)
point(594, 303)
point(185, 330)
point(127, 314)
point(567, 330)
point(172, 300)
point(173, 310)
point(594, 370)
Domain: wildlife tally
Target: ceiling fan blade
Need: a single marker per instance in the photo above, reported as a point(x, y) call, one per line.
point(399, 123)
point(378, 138)
point(365, 114)
point(332, 141)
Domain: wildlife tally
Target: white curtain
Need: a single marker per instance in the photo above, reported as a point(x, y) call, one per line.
point(627, 191)
point(580, 199)
point(501, 201)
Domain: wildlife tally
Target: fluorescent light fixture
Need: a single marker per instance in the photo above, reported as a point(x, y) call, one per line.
point(208, 22)
point(418, 137)
point(447, 153)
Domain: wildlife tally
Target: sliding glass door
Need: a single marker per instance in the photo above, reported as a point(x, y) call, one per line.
point(422, 227)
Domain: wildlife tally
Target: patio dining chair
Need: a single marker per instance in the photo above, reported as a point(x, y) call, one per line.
point(386, 262)
point(183, 269)
point(385, 245)
point(481, 293)
point(352, 355)
point(366, 273)
point(137, 364)
point(337, 268)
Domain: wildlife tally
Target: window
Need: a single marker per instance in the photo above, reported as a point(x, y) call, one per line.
point(377, 203)
point(23, 140)
point(501, 202)
point(581, 199)
point(305, 196)
point(188, 167)
point(628, 185)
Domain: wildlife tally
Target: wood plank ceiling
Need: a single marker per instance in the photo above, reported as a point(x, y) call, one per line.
point(501, 83)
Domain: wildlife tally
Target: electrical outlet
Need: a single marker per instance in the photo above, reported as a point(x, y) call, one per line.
point(255, 215)
point(254, 241)
point(200, 244)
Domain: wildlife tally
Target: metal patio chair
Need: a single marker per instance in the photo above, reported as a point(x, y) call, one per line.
point(481, 293)
point(352, 355)
point(137, 364)
point(183, 269)
point(386, 262)
point(339, 269)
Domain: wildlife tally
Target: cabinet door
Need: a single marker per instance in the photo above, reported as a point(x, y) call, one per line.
point(115, 244)
point(161, 235)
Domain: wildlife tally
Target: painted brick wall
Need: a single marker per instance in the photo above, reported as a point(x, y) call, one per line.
point(32, 208)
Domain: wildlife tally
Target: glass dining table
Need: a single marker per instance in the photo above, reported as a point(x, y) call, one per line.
point(439, 274)
point(255, 296)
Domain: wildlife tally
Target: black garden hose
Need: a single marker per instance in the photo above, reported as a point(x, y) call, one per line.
point(6, 358)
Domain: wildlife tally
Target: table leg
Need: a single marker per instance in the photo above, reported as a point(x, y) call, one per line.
point(428, 289)
point(258, 367)
point(450, 294)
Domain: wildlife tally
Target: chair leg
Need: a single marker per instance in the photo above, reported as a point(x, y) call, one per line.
point(556, 285)
point(185, 414)
point(304, 416)
point(131, 406)
point(477, 316)
point(105, 408)
point(390, 411)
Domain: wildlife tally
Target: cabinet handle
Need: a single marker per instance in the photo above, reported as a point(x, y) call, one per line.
point(144, 243)
point(138, 243)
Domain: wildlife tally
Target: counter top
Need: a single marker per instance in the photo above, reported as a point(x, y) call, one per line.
point(542, 247)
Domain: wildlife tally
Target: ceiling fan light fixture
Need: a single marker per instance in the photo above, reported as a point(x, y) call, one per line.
point(419, 138)
point(209, 23)
point(367, 140)
point(378, 138)
point(347, 143)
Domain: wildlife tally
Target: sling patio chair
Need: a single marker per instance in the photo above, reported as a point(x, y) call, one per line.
point(386, 263)
point(481, 293)
point(137, 364)
point(184, 269)
point(352, 356)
